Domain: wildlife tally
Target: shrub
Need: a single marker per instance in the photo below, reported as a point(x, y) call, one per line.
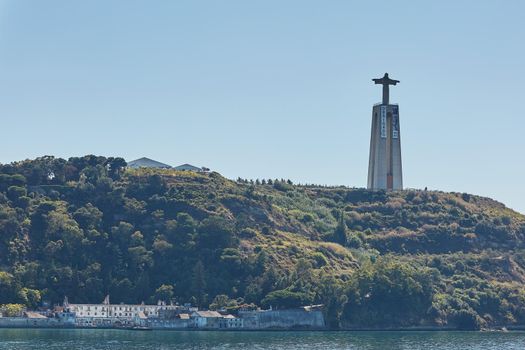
point(467, 320)
point(319, 259)
point(248, 232)
point(15, 192)
point(286, 299)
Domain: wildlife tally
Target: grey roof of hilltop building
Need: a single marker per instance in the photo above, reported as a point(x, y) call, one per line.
point(187, 167)
point(147, 163)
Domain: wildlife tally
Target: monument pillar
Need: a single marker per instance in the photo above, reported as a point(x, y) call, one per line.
point(384, 166)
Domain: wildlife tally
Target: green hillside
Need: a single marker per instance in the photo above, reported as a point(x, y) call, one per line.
point(87, 227)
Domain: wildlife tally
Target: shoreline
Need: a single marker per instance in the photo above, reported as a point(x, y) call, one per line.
point(503, 329)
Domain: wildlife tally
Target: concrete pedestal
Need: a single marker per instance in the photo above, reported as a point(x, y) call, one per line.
point(384, 167)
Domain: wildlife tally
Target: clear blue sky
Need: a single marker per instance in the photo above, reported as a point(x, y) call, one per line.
point(266, 89)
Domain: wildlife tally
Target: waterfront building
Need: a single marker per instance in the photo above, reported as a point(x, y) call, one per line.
point(31, 319)
point(162, 316)
point(206, 319)
point(178, 321)
point(230, 321)
point(306, 317)
point(106, 314)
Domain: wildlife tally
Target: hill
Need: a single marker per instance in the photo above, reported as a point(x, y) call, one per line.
point(88, 226)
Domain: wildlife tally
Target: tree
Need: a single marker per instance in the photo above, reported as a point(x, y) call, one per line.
point(164, 293)
point(198, 283)
point(302, 273)
point(467, 320)
point(140, 257)
point(122, 232)
point(340, 235)
point(182, 231)
point(215, 232)
point(332, 294)
point(221, 302)
point(137, 238)
point(88, 216)
point(15, 192)
point(390, 292)
point(161, 246)
point(269, 281)
point(116, 166)
point(7, 287)
point(12, 310)
point(29, 297)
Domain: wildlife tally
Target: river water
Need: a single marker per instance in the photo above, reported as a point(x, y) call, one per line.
point(158, 340)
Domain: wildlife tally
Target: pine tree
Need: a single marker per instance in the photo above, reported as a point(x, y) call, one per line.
point(340, 231)
point(198, 283)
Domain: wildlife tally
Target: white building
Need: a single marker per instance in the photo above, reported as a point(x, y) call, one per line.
point(117, 310)
point(92, 315)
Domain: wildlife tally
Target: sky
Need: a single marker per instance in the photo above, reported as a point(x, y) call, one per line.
point(270, 88)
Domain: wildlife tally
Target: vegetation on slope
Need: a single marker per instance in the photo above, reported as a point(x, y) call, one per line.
point(87, 227)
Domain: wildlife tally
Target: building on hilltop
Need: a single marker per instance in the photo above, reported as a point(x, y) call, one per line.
point(189, 167)
point(147, 163)
point(384, 167)
point(150, 163)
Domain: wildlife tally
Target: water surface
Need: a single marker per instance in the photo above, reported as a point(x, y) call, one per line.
point(17, 339)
